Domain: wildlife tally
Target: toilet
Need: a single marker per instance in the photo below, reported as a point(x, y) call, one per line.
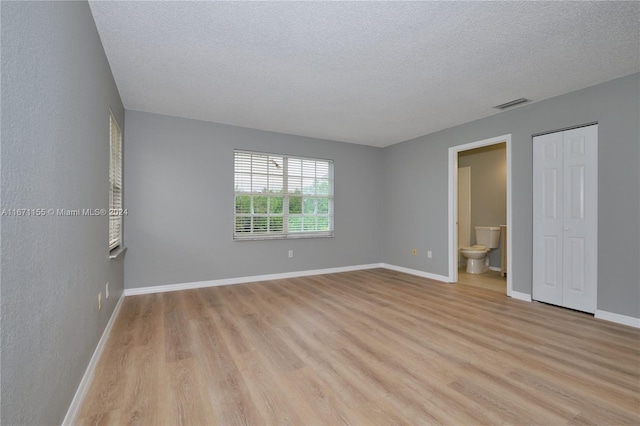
point(487, 237)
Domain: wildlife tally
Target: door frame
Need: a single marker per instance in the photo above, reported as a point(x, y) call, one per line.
point(453, 205)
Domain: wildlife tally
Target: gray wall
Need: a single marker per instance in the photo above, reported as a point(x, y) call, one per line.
point(488, 189)
point(179, 193)
point(415, 187)
point(56, 92)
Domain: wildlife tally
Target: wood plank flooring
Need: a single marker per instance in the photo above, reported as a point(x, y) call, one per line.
point(365, 348)
point(490, 280)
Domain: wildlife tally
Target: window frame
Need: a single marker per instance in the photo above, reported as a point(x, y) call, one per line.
point(115, 184)
point(287, 195)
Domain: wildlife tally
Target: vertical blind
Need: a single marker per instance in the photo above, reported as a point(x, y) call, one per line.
point(279, 196)
point(115, 184)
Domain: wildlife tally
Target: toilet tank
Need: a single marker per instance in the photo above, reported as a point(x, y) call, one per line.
point(488, 236)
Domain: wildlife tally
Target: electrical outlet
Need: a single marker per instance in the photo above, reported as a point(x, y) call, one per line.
point(100, 301)
point(429, 254)
point(106, 290)
point(290, 254)
point(414, 252)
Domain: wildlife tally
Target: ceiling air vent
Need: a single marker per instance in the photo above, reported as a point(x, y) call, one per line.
point(512, 103)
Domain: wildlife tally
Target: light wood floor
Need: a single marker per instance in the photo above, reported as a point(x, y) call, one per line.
point(491, 280)
point(368, 347)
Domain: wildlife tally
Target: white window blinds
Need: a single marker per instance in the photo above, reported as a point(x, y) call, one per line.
point(115, 184)
point(278, 196)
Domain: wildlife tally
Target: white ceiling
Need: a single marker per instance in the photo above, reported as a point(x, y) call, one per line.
point(363, 72)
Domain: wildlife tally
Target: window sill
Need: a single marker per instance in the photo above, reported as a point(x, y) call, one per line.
point(282, 237)
point(117, 252)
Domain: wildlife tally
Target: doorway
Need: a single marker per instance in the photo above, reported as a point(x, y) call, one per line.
point(453, 206)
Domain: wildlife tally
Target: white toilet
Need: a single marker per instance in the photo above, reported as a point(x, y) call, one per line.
point(487, 237)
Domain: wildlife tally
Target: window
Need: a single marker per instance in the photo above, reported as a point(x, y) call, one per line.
point(282, 197)
point(115, 184)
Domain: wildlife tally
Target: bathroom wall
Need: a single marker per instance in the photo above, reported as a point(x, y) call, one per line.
point(488, 189)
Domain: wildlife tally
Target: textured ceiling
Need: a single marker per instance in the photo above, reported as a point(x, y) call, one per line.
point(363, 72)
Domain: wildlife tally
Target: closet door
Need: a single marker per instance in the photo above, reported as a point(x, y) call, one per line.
point(548, 203)
point(565, 256)
point(580, 253)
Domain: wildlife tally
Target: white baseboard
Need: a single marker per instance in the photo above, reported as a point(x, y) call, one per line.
point(296, 274)
point(618, 318)
point(241, 280)
point(83, 387)
point(520, 296)
point(495, 268)
point(416, 272)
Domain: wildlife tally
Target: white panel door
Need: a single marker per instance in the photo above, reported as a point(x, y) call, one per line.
point(580, 254)
point(547, 217)
point(565, 185)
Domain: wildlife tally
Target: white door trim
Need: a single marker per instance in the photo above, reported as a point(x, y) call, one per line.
point(453, 206)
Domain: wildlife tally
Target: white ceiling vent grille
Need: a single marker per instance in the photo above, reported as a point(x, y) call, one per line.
point(512, 103)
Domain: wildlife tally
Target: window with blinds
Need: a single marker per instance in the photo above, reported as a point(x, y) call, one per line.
point(115, 184)
point(278, 196)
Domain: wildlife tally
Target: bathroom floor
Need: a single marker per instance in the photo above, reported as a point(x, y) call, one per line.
point(490, 280)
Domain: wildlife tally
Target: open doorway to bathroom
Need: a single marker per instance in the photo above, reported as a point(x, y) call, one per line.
point(480, 195)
